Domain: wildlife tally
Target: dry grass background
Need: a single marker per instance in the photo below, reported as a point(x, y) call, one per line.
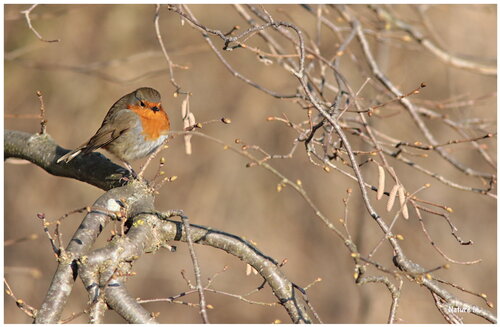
point(214, 188)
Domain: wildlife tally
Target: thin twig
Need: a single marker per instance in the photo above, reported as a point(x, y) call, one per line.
point(196, 266)
point(43, 122)
point(165, 53)
point(443, 55)
point(26, 14)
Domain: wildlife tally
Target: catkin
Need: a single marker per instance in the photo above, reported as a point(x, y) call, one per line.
point(392, 197)
point(381, 182)
point(402, 198)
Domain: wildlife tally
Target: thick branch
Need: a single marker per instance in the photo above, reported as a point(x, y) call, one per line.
point(102, 267)
point(136, 196)
point(283, 289)
point(41, 150)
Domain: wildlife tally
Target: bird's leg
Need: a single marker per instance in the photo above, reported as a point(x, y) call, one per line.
point(135, 175)
point(132, 172)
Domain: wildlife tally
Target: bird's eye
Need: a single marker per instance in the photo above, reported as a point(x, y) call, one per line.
point(143, 104)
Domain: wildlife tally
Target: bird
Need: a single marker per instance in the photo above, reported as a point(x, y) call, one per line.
point(134, 127)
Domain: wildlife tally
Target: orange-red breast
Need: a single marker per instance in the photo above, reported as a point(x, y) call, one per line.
point(134, 127)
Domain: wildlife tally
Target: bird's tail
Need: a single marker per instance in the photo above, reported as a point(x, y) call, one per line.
point(70, 155)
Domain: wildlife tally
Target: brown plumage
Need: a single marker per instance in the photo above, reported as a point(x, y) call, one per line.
point(132, 129)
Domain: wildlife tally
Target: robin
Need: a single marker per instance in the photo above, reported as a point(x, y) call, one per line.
point(134, 127)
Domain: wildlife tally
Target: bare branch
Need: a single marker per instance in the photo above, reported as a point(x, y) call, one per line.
point(28, 20)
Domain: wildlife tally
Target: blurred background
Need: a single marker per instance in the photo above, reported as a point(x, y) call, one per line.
point(107, 51)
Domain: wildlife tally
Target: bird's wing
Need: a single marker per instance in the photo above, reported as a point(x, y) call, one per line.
point(110, 130)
